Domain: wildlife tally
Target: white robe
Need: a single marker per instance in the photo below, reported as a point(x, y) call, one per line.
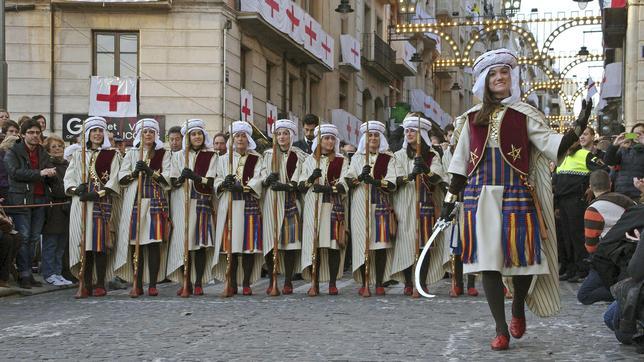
point(269, 222)
point(405, 207)
point(177, 211)
point(73, 178)
point(543, 299)
point(358, 219)
point(324, 224)
point(123, 265)
point(255, 184)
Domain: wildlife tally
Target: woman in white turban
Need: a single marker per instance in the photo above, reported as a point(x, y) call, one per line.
point(244, 184)
point(502, 155)
point(280, 183)
point(378, 176)
point(155, 171)
point(99, 191)
point(328, 183)
point(414, 231)
point(199, 173)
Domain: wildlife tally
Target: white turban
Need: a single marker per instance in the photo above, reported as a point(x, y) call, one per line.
point(245, 127)
point(374, 126)
point(411, 122)
point(97, 122)
point(195, 124)
point(327, 130)
point(289, 125)
point(492, 59)
point(147, 123)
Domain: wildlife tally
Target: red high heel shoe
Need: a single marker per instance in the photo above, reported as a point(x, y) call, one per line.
point(472, 292)
point(247, 291)
point(380, 291)
point(99, 292)
point(517, 327)
point(408, 291)
point(500, 343)
point(333, 290)
point(361, 291)
point(153, 292)
point(288, 288)
point(455, 291)
point(198, 291)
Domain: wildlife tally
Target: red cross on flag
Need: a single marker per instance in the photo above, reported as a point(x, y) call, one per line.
point(112, 97)
point(350, 48)
point(271, 117)
point(246, 106)
point(591, 88)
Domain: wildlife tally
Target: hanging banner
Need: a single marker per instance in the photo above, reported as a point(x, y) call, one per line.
point(112, 97)
point(271, 117)
point(348, 126)
point(350, 49)
point(246, 106)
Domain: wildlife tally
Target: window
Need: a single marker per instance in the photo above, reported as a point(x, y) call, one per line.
point(116, 54)
point(291, 91)
point(270, 69)
point(367, 20)
point(344, 94)
point(379, 27)
point(243, 58)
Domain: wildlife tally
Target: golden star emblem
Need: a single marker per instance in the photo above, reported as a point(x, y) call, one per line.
point(515, 153)
point(473, 156)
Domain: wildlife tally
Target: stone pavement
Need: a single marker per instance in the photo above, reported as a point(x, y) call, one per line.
point(295, 327)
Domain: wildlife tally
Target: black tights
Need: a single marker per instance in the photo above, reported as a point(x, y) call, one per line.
point(247, 266)
point(100, 260)
point(333, 262)
point(154, 252)
point(424, 269)
point(289, 264)
point(493, 286)
point(199, 256)
point(458, 273)
point(381, 261)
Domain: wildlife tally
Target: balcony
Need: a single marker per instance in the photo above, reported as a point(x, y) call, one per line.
point(288, 30)
point(614, 27)
point(403, 66)
point(115, 4)
point(378, 56)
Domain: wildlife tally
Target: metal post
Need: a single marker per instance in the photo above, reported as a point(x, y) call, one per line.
point(3, 60)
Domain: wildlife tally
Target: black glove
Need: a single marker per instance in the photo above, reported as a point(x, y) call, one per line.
point(366, 171)
point(81, 189)
point(272, 178)
point(446, 212)
point(237, 187)
point(278, 186)
point(141, 166)
point(368, 179)
point(322, 189)
point(228, 183)
point(584, 114)
point(90, 196)
point(317, 173)
point(179, 181)
point(189, 174)
point(420, 165)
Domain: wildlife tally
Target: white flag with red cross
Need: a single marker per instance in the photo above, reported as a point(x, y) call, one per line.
point(112, 97)
point(591, 88)
point(246, 106)
point(271, 117)
point(350, 48)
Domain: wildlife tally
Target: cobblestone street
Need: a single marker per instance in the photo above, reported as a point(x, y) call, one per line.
point(296, 327)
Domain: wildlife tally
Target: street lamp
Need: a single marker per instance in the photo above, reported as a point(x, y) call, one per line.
point(583, 53)
point(582, 3)
point(344, 7)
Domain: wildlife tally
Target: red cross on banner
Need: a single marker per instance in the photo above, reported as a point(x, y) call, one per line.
point(295, 22)
point(112, 97)
point(325, 46)
point(273, 5)
point(355, 53)
point(246, 104)
point(308, 29)
point(271, 117)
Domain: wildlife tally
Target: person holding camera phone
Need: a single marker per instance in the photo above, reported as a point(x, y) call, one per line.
point(629, 158)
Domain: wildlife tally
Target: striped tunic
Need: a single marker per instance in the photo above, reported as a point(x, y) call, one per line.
point(200, 235)
point(246, 217)
point(99, 214)
point(405, 207)
point(289, 208)
point(543, 299)
point(328, 206)
point(154, 196)
point(381, 206)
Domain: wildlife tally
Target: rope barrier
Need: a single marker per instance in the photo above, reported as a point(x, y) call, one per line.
point(34, 205)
